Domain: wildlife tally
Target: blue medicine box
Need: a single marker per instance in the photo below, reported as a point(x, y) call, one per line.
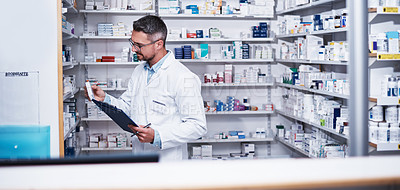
point(191, 7)
point(24, 142)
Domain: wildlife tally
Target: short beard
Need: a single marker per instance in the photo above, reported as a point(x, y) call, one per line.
point(148, 59)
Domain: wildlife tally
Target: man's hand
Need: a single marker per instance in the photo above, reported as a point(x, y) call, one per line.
point(145, 135)
point(98, 93)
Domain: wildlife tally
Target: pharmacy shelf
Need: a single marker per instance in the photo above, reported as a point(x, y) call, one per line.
point(104, 37)
point(331, 131)
point(110, 89)
point(385, 101)
point(231, 140)
point(105, 149)
point(69, 65)
point(321, 32)
point(385, 56)
point(193, 40)
point(69, 6)
point(66, 35)
point(302, 152)
point(240, 113)
point(207, 114)
point(185, 40)
point(199, 16)
point(111, 63)
point(237, 85)
point(70, 94)
point(127, 12)
point(217, 61)
point(382, 11)
point(313, 90)
point(71, 129)
point(310, 5)
point(317, 62)
point(96, 119)
point(291, 35)
point(386, 146)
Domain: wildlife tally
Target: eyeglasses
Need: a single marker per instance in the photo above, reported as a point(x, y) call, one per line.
point(137, 46)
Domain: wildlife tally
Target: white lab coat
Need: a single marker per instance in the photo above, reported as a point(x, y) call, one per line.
point(171, 102)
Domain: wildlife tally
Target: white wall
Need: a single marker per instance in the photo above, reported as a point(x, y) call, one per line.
point(28, 42)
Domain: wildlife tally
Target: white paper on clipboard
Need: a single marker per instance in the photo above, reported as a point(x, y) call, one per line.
point(19, 98)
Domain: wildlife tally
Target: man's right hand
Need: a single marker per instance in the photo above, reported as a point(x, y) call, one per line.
point(98, 93)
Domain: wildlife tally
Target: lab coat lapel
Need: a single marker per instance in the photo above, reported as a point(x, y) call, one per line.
point(166, 63)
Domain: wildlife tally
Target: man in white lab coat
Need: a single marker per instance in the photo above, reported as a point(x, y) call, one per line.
point(161, 91)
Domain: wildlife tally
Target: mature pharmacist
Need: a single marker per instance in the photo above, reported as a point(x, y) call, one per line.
point(161, 92)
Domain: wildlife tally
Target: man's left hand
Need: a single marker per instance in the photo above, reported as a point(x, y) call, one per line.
point(145, 135)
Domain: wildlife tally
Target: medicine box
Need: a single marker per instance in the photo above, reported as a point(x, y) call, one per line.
point(196, 151)
point(112, 137)
point(103, 144)
point(95, 137)
point(204, 51)
point(93, 145)
point(112, 144)
point(206, 150)
point(248, 148)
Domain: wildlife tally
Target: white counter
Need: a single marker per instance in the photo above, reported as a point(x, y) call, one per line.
point(266, 174)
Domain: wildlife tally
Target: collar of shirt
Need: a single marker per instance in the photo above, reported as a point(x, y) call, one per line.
point(156, 66)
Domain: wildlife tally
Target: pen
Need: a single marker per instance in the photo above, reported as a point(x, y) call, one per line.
point(147, 126)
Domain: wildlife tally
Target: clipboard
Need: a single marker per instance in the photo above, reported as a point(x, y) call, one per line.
point(116, 114)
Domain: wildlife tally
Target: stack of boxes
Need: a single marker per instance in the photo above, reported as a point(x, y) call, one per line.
point(105, 29)
point(260, 31)
point(206, 152)
point(230, 103)
point(94, 140)
point(117, 140)
point(108, 29)
point(187, 52)
point(192, 9)
point(178, 53)
point(70, 114)
point(114, 140)
point(310, 77)
point(245, 51)
point(316, 109)
point(248, 149)
point(228, 73)
point(169, 7)
point(119, 29)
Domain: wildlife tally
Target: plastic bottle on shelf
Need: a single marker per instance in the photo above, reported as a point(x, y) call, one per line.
point(394, 133)
point(392, 89)
point(384, 133)
point(337, 21)
point(382, 43)
point(373, 131)
point(343, 19)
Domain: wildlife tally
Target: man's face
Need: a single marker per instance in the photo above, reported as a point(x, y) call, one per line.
point(147, 52)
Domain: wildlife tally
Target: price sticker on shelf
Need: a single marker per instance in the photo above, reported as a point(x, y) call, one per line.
point(390, 9)
point(399, 101)
point(385, 56)
point(396, 56)
point(398, 146)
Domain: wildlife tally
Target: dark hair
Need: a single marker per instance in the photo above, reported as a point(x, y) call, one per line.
point(153, 26)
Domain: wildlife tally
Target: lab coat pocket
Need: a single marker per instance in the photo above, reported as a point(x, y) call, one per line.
point(159, 106)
